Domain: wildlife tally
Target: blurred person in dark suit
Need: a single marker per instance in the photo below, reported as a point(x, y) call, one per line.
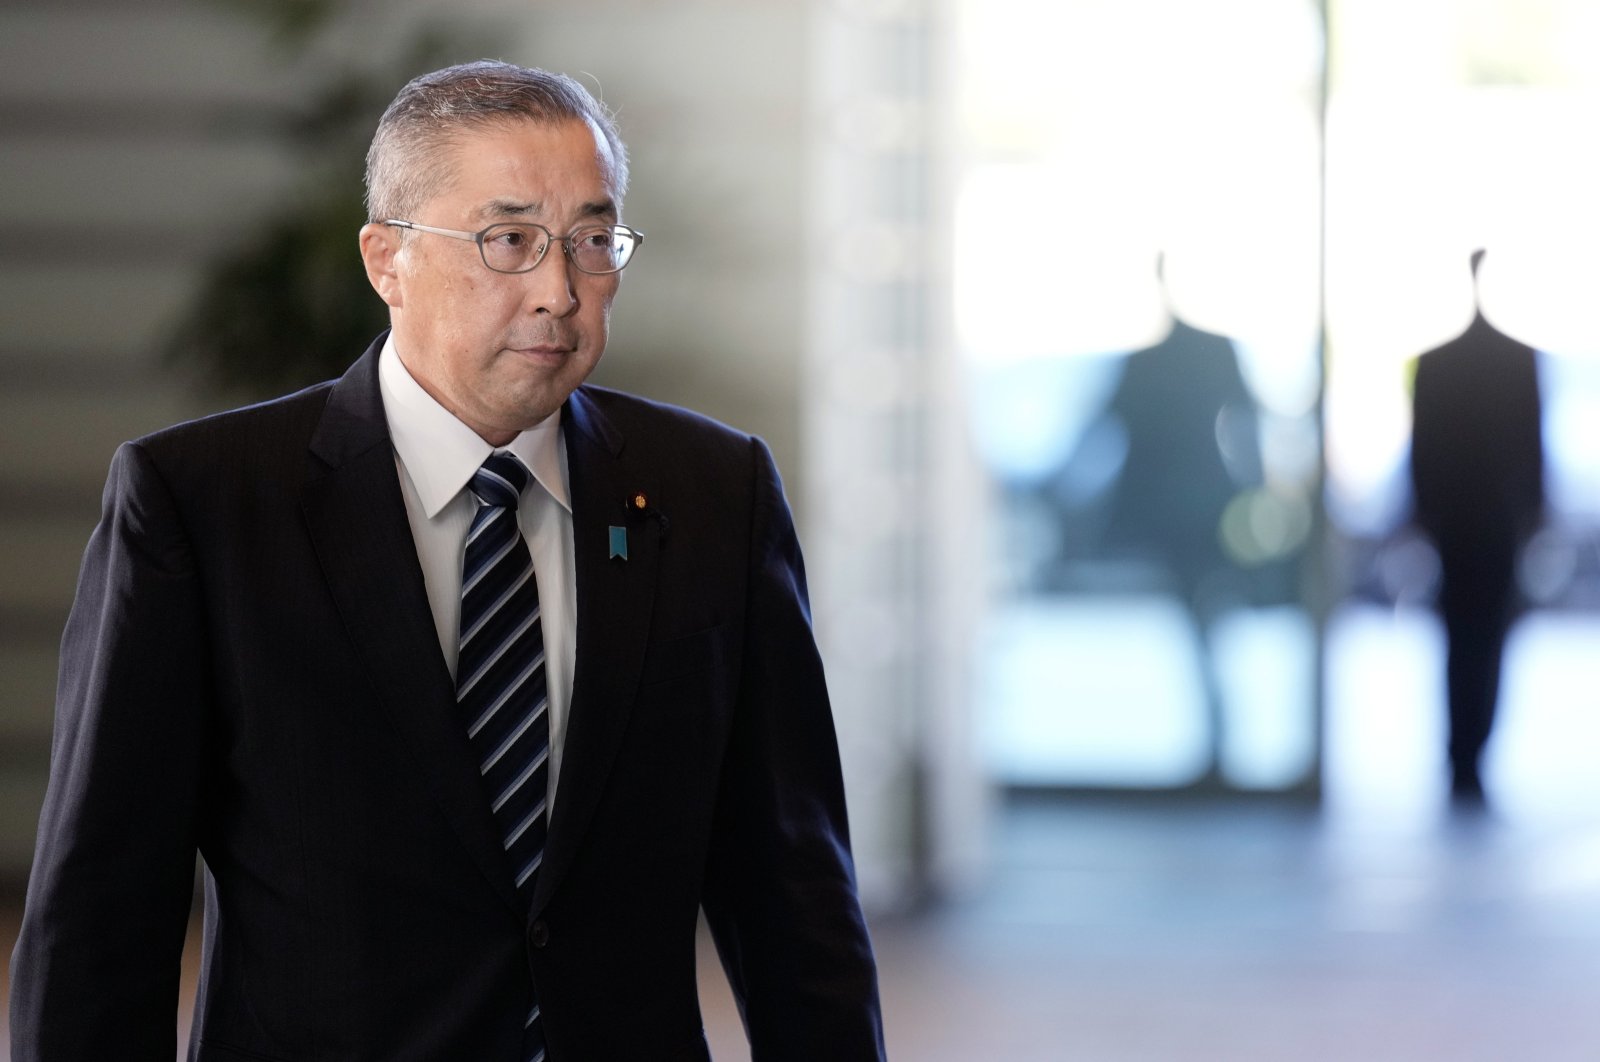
point(471, 683)
point(1189, 430)
point(1477, 473)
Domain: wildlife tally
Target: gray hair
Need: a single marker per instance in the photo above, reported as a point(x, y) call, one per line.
point(407, 163)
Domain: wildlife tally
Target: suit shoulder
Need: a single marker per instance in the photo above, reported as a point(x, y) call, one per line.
point(216, 456)
point(235, 433)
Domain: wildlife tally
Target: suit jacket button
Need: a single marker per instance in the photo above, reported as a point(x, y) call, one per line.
point(539, 934)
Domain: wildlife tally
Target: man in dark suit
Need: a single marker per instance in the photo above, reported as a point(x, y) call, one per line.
point(417, 848)
point(1477, 472)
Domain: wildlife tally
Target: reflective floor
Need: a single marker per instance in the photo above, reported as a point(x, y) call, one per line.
point(1379, 927)
point(1142, 934)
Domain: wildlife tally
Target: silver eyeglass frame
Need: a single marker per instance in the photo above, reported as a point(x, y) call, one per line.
point(565, 241)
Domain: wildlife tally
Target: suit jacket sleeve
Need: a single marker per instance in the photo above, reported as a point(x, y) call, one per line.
point(781, 892)
point(95, 971)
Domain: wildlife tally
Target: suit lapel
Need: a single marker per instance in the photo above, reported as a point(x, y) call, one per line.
point(357, 520)
point(615, 596)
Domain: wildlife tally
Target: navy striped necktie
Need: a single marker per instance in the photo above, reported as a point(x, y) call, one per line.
point(500, 679)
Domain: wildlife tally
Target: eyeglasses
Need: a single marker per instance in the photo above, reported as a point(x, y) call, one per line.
point(516, 247)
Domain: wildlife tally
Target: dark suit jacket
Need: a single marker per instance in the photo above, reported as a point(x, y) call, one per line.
point(1477, 457)
point(251, 670)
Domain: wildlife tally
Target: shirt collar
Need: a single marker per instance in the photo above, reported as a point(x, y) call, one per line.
point(440, 453)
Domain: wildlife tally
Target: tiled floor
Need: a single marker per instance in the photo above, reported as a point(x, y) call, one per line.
point(1127, 934)
point(1148, 933)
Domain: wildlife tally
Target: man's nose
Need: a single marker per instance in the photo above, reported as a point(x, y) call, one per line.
point(550, 288)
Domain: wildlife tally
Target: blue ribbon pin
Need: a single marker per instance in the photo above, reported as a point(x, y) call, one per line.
point(619, 542)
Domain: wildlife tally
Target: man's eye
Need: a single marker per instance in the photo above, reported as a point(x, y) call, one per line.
point(511, 239)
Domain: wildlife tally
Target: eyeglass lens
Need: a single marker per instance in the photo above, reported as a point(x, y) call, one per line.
point(514, 248)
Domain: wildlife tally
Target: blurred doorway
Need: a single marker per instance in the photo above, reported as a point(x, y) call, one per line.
point(1147, 403)
point(1450, 128)
point(1189, 381)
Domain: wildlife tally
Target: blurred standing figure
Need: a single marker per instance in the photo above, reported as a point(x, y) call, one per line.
point(1190, 429)
point(1477, 472)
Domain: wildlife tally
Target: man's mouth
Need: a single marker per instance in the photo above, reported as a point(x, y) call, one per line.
point(544, 349)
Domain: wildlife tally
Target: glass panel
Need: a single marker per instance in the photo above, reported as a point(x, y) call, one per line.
point(1455, 126)
point(1145, 377)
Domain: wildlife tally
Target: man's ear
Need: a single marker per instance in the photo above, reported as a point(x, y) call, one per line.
point(380, 244)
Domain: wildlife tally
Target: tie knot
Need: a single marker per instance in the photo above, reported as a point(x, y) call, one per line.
point(499, 481)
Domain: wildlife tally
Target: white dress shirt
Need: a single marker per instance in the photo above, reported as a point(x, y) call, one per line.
point(436, 455)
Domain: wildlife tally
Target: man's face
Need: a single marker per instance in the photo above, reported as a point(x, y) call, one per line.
point(501, 351)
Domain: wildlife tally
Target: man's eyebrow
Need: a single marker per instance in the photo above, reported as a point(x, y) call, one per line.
point(508, 208)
